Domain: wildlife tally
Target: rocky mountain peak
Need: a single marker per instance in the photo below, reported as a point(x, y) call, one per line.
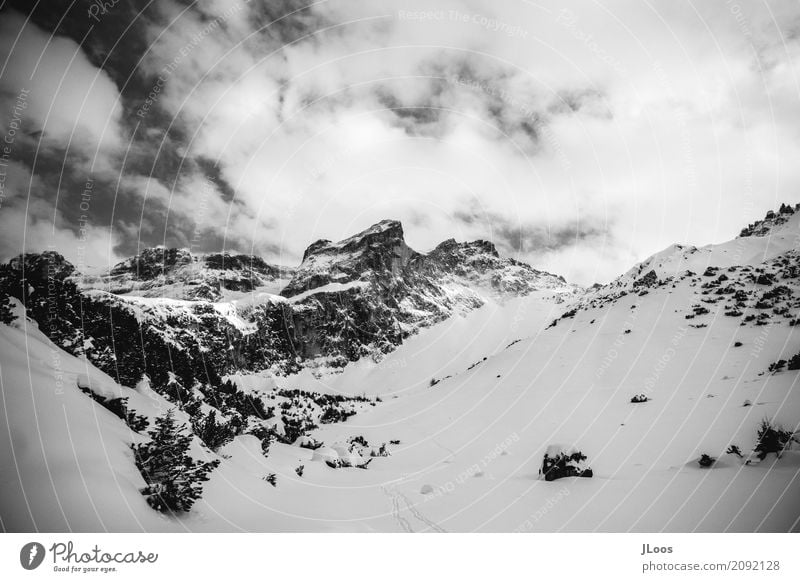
point(377, 252)
point(152, 262)
point(41, 266)
point(451, 252)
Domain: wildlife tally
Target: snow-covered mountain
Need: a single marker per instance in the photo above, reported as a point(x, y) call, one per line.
point(361, 297)
point(179, 274)
point(456, 371)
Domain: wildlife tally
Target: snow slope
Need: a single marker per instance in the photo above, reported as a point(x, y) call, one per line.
point(66, 462)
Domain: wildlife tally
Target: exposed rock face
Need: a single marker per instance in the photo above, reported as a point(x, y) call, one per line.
point(378, 253)
point(647, 280)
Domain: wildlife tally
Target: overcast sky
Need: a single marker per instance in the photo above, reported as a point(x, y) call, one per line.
point(580, 137)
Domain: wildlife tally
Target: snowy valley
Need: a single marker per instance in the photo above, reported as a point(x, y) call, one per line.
point(376, 388)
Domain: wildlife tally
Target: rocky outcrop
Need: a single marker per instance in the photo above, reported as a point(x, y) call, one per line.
point(770, 221)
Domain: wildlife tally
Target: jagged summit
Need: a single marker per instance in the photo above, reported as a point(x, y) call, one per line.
point(380, 254)
point(450, 246)
point(152, 262)
point(378, 251)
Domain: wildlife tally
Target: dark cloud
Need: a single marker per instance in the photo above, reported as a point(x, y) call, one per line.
point(155, 144)
point(588, 100)
point(525, 238)
point(424, 116)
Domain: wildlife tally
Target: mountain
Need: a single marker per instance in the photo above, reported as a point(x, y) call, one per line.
point(216, 314)
point(179, 274)
point(379, 256)
point(364, 295)
point(455, 371)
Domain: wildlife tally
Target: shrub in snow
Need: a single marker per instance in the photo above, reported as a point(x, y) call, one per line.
point(271, 478)
point(638, 398)
point(333, 414)
point(213, 433)
point(307, 442)
point(772, 438)
point(117, 406)
point(360, 440)
point(300, 470)
point(558, 462)
point(292, 429)
point(394, 442)
point(265, 435)
point(381, 452)
point(777, 366)
point(6, 315)
point(734, 450)
point(174, 479)
point(706, 461)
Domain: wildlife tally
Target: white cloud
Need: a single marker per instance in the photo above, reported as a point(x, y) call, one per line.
point(640, 125)
point(70, 100)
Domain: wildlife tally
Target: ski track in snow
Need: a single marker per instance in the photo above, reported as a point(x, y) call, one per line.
point(395, 499)
point(416, 513)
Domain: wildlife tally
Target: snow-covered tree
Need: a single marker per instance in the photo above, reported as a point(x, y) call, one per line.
point(174, 479)
point(213, 433)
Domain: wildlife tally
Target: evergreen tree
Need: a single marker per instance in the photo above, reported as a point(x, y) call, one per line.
point(771, 439)
point(214, 434)
point(174, 479)
point(6, 316)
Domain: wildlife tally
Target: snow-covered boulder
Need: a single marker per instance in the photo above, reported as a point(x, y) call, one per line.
point(560, 461)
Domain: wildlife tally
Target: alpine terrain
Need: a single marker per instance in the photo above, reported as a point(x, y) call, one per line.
point(373, 387)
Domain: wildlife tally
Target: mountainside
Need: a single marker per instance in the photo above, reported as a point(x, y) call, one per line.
point(475, 366)
point(756, 272)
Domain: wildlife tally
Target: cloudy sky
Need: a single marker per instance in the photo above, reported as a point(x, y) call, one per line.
point(578, 137)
